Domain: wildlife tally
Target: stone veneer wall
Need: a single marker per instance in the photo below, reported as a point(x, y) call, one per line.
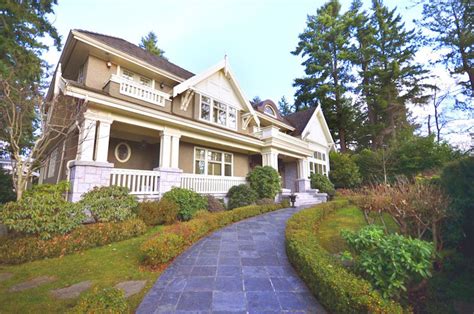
point(85, 175)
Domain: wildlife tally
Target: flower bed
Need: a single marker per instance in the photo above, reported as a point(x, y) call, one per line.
point(30, 248)
point(336, 288)
point(174, 239)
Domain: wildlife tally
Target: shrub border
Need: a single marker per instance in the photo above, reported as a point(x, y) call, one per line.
point(339, 290)
point(30, 248)
point(177, 238)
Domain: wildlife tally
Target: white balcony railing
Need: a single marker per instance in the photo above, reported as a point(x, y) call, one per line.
point(139, 182)
point(139, 91)
point(209, 184)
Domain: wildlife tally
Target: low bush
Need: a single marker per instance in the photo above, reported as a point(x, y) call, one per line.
point(241, 195)
point(163, 212)
point(335, 287)
point(42, 212)
point(392, 263)
point(214, 205)
point(188, 202)
point(25, 249)
point(265, 201)
point(106, 300)
point(265, 181)
point(174, 239)
point(344, 171)
point(285, 203)
point(322, 183)
point(110, 203)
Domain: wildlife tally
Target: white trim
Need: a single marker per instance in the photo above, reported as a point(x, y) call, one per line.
point(275, 121)
point(211, 112)
point(272, 114)
point(318, 112)
point(117, 155)
point(206, 162)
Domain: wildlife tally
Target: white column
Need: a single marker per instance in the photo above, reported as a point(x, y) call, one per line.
point(85, 149)
point(165, 150)
point(175, 151)
point(270, 158)
point(303, 169)
point(103, 137)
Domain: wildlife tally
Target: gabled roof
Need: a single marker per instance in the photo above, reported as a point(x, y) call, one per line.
point(224, 66)
point(260, 107)
point(137, 52)
point(300, 119)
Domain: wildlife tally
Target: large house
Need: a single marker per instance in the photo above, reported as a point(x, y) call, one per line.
point(150, 125)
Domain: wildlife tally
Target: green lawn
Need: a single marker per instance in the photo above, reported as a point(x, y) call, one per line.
point(105, 266)
point(349, 218)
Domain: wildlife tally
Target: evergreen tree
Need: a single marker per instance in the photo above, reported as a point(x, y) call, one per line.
point(325, 47)
point(390, 77)
point(150, 44)
point(451, 23)
point(284, 106)
point(256, 100)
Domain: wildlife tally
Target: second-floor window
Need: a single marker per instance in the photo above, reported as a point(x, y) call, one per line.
point(131, 76)
point(218, 113)
point(320, 156)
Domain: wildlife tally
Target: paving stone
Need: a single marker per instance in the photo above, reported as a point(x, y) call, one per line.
point(242, 268)
point(33, 283)
point(72, 291)
point(5, 276)
point(131, 287)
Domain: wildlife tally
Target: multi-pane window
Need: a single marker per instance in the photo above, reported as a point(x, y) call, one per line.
point(145, 81)
point(213, 163)
point(129, 75)
point(218, 113)
point(320, 156)
point(315, 167)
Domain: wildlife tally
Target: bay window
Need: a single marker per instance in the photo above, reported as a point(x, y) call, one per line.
point(218, 113)
point(213, 163)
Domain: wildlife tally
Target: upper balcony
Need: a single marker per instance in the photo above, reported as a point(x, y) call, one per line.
point(140, 91)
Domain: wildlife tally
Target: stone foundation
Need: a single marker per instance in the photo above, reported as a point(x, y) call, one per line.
point(169, 178)
point(303, 185)
point(85, 175)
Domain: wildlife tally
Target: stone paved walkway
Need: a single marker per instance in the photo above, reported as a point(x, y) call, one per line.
point(242, 268)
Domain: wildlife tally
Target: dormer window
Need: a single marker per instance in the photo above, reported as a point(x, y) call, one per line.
point(269, 110)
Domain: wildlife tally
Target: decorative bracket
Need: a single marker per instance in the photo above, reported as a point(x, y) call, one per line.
point(187, 99)
point(246, 118)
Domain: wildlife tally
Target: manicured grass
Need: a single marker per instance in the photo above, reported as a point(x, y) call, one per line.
point(105, 266)
point(348, 218)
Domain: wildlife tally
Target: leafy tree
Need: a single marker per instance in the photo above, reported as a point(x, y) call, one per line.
point(451, 23)
point(284, 106)
point(150, 44)
point(325, 47)
point(391, 79)
point(344, 171)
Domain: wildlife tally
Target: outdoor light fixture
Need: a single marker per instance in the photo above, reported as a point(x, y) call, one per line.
point(109, 64)
point(162, 85)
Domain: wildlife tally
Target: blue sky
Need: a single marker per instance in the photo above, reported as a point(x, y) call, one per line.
point(257, 35)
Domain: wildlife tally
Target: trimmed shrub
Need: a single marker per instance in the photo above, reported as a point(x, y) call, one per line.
point(214, 205)
point(106, 300)
point(188, 202)
point(42, 212)
point(265, 201)
point(344, 171)
point(241, 195)
point(174, 239)
point(163, 212)
point(322, 183)
point(285, 203)
point(26, 249)
point(335, 287)
point(265, 181)
point(110, 203)
point(392, 263)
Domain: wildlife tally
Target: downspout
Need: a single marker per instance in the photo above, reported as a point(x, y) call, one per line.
point(68, 173)
point(61, 163)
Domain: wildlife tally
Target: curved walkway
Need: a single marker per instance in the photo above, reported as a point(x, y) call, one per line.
point(242, 268)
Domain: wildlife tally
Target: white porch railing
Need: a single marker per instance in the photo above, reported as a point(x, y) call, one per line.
point(209, 184)
point(139, 91)
point(139, 182)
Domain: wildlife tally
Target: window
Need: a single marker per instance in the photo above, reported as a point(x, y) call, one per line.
point(213, 163)
point(145, 81)
point(52, 163)
point(80, 75)
point(315, 167)
point(123, 152)
point(218, 113)
point(320, 156)
point(269, 110)
point(129, 75)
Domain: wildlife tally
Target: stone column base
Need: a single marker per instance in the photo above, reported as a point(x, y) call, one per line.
point(85, 175)
point(303, 185)
point(169, 178)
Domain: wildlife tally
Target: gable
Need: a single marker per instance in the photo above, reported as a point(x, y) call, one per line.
point(219, 87)
point(316, 130)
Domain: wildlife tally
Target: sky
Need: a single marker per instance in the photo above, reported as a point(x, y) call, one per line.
point(256, 35)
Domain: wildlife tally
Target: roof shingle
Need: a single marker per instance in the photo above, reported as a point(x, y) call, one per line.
point(299, 120)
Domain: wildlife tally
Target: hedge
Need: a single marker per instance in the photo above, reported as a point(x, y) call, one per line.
point(175, 239)
point(26, 249)
point(339, 290)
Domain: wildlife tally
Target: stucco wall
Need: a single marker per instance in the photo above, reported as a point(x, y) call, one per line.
point(143, 157)
point(97, 74)
point(186, 159)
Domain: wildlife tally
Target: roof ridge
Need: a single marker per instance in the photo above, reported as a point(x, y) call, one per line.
point(136, 46)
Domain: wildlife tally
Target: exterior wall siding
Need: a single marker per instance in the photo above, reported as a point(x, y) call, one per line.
point(143, 156)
